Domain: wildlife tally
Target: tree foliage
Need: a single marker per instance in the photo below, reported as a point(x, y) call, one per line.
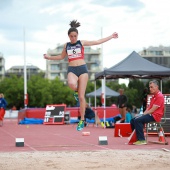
point(42, 91)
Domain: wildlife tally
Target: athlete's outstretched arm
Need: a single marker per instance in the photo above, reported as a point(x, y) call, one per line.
point(58, 57)
point(100, 41)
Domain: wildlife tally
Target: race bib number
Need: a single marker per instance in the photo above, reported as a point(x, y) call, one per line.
point(74, 53)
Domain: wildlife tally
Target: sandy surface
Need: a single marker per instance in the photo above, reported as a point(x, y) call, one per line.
point(99, 160)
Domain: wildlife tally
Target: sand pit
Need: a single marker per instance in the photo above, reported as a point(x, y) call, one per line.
point(91, 160)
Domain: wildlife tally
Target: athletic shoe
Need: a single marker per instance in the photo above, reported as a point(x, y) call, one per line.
point(107, 124)
point(80, 125)
point(76, 96)
point(140, 142)
point(102, 125)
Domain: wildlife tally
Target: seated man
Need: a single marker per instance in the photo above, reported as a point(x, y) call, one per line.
point(154, 112)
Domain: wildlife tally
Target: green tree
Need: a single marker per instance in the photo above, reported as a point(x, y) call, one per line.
point(61, 93)
point(139, 86)
point(39, 91)
point(13, 89)
point(165, 87)
point(42, 91)
point(132, 97)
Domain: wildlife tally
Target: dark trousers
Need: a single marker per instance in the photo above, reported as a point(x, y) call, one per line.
point(138, 123)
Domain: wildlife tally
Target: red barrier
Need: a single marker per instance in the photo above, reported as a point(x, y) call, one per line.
point(74, 112)
point(38, 113)
point(110, 112)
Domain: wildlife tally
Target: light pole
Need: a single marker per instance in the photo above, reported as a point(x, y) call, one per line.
point(29, 70)
point(25, 75)
point(103, 95)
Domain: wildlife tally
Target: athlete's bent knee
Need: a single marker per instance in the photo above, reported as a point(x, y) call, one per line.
point(73, 86)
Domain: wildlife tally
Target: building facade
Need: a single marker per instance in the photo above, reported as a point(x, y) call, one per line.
point(2, 66)
point(58, 68)
point(19, 71)
point(159, 55)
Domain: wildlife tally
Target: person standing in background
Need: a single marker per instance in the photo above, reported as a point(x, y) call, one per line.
point(122, 104)
point(3, 104)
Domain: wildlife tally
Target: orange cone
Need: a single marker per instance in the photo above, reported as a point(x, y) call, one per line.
point(132, 138)
point(161, 139)
point(161, 136)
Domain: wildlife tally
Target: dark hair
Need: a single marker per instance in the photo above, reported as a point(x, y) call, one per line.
point(74, 24)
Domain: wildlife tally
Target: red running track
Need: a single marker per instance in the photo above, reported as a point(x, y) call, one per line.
point(64, 138)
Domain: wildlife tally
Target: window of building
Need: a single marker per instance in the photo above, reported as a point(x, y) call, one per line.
point(87, 49)
point(166, 52)
point(54, 75)
point(94, 66)
point(151, 52)
point(158, 52)
point(54, 67)
point(86, 57)
point(94, 58)
point(64, 66)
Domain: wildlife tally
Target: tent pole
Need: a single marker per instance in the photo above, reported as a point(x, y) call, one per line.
point(89, 102)
point(161, 85)
point(104, 95)
point(95, 94)
point(95, 103)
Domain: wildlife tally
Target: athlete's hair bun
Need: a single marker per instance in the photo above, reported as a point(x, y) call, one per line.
point(74, 24)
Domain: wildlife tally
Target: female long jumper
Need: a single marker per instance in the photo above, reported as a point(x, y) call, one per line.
point(77, 69)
